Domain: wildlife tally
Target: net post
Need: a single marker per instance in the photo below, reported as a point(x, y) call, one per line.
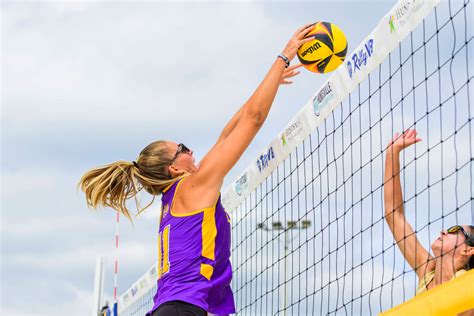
point(99, 279)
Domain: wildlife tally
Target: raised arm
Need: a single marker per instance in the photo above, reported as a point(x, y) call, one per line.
point(288, 73)
point(206, 182)
point(414, 253)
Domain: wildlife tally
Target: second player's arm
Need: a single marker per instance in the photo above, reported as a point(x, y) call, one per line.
point(415, 254)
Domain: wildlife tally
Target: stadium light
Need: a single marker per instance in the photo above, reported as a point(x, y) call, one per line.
point(290, 225)
point(262, 226)
point(305, 224)
point(277, 225)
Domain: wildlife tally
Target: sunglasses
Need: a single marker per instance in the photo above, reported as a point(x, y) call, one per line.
point(454, 229)
point(181, 149)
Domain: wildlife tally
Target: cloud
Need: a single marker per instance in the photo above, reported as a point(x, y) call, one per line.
point(111, 87)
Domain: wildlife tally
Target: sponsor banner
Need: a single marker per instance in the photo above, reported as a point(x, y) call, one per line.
point(401, 13)
point(291, 132)
point(241, 185)
point(391, 30)
point(356, 64)
point(227, 201)
point(265, 158)
point(153, 274)
point(365, 58)
point(326, 99)
point(144, 284)
point(266, 162)
point(322, 98)
point(400, 21)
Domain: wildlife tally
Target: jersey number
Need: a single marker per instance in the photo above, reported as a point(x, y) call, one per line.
point(163, 251)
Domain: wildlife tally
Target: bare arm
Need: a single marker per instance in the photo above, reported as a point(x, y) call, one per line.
point(414, 253)
point(242, 128)
point(288, 73)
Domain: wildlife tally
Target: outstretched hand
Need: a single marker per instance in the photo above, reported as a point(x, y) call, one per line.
point(297, 40)
point(289, 73)
point(406, 139)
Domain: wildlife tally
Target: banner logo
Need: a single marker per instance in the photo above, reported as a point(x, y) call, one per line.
point(360, 58)
point(390, 22)
point(291, 132)
point(322, 98)
point(242, 184)
point(403, 12)
point(165, 210)
point(263, 161)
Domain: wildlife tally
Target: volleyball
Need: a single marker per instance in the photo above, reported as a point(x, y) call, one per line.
point(327, 51)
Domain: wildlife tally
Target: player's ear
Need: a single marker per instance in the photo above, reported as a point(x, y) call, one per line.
point(174, 171)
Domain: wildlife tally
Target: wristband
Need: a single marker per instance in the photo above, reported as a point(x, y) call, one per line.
point(285, 59)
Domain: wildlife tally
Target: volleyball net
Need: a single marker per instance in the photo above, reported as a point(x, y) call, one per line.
point(308, 229)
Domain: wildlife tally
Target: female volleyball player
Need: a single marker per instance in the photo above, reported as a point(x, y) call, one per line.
point(194, 270)
point(454, 248)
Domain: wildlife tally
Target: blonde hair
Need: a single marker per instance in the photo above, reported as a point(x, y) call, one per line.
point(113, 184)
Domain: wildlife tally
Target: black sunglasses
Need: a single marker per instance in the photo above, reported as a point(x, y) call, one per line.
point(181, 149)
point(454, 229)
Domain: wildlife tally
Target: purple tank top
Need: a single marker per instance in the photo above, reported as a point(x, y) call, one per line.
point(194, 257)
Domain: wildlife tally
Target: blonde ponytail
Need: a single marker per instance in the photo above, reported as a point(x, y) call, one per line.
point(113, 184)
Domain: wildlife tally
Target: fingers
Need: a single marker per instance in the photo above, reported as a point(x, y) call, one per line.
point(293, 67)
point(291, 71)
point(291, 74)
point(301, 30)
point(408, 133)
point(411, 134)
point(407, 138)
point(404, 140)
point(305, 40)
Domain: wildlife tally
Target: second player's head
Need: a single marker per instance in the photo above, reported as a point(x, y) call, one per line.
point(457, 243)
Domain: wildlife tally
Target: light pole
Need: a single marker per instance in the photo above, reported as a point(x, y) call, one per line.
point(278, 226)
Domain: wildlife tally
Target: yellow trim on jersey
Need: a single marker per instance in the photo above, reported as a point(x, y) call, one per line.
point(188, 213)
point(207, 270)
point(163, 252)
point(168, 187)
point(159, 255)
point(209, 233)
point(166, 250)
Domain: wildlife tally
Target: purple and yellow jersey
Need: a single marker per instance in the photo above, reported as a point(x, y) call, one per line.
point(194, 257)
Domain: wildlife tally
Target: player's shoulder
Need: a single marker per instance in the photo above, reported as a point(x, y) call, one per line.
point(194, 194)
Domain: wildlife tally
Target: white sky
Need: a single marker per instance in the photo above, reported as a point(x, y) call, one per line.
point(89, 83)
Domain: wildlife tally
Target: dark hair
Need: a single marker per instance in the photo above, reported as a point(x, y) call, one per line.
point(470, 242)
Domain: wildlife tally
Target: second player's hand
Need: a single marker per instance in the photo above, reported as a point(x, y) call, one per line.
point(406, 139)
